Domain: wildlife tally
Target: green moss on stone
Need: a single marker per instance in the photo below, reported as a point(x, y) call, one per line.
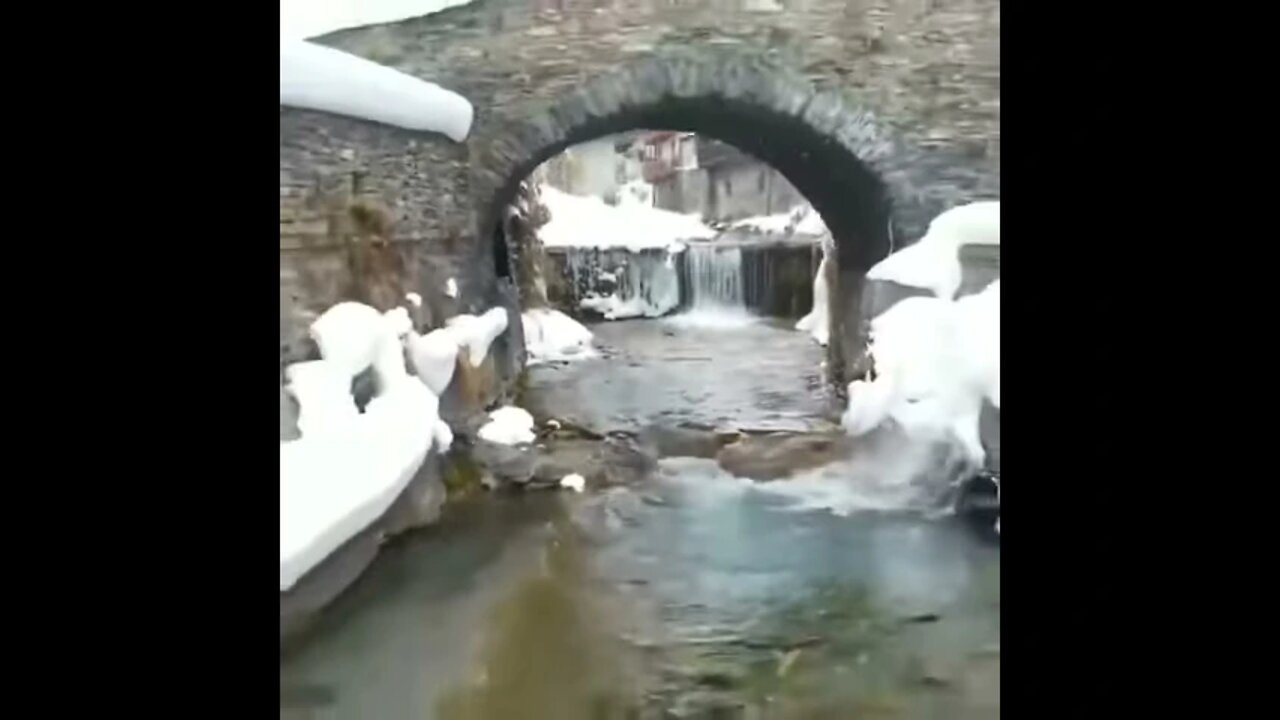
point(461, 475)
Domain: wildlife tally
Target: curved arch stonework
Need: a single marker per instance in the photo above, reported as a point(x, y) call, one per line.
point(876, 110)
point(832, 150)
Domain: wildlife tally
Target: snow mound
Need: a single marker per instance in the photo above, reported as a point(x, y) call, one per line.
point(933, 263)
point(476, 334)
point(414, 299)
point(589, 222)
point(434, 357)
point(347, 468)
point(508, 425)
point(451, 288)
point(347, 335)
point(612, 307)
point(574, 482)
point(334, 486)
point(323, 392)
point(320, 78)
point(936, 361)
point(550, 335)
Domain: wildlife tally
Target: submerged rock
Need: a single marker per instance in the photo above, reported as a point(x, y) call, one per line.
point(685, 441)
point(779, 455)
point(615, 460)
point(504, 465)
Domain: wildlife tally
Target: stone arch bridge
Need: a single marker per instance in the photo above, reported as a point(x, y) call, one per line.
point(881, 112)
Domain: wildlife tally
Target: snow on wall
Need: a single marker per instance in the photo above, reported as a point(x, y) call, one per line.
point(347, 468)
point(550, 335)
point(933, 263)
point(347, 335)
point(315, 77)
point(799, 219)
point(476, 334)
point(434, 357)
point(589, 222)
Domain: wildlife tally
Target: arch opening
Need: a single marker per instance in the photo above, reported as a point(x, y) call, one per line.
point(843, 189)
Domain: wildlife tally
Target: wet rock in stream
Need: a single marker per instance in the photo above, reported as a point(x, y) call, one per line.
point(779, 455)
point(618, 459)
point(686, 440)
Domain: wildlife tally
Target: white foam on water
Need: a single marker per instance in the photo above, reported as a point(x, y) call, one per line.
point(714, 318)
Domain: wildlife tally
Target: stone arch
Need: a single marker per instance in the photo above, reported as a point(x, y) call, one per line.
point(829, 148)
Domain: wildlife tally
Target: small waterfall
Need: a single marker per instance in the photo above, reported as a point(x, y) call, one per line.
point(714, 277)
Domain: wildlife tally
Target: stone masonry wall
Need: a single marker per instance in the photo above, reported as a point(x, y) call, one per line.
point(928, 69)
point(924, 72)
point(418, 181)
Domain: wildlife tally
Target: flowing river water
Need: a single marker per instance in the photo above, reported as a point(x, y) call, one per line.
point(695, 594)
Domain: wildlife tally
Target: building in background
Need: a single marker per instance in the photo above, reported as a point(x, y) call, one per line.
point(693, 174)
point(740, 186)
point(673, 170)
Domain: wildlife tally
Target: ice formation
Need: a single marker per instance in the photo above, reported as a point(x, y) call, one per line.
point(550, 335)
point(574, 482)
point(612, 307)
point(348, 467)
point(476, 334)
point(589, 222)
point(818, 323)
point(933, 263)
point(799, 219)
point(451, 288)
point(935, 361)
point(321, 78)
point(508, 425)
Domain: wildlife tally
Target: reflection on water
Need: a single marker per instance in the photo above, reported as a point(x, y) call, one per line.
point(544, 654)
point(695, 596)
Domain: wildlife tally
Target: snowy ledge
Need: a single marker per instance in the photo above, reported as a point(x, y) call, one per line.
point(315, 77)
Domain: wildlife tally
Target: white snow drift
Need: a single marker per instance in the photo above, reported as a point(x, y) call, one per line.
point(434, 357)
point(550, 335)
point(476, 334)
point(320, 78)
point(348, 467)
point(589, 222)
point(801, 219)
point(508, 425)
point(933, 263)
point(936, 361)
point(574, 482)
